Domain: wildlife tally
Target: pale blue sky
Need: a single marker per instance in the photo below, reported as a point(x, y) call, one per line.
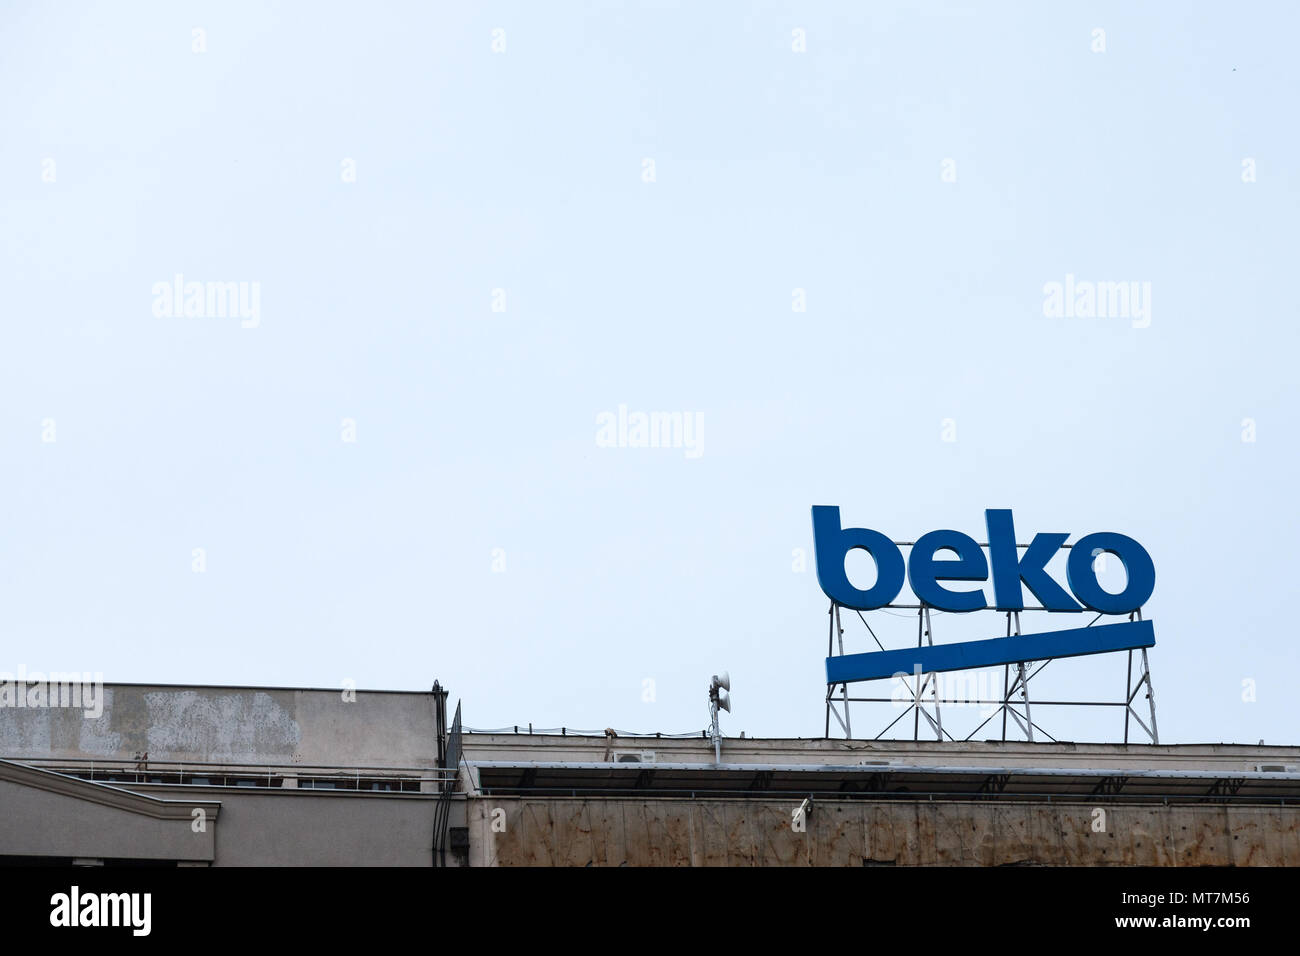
point(522, 170)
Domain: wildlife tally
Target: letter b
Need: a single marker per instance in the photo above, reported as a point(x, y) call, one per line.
point(832, 545)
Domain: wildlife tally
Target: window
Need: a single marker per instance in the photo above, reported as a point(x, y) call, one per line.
point(370, 784)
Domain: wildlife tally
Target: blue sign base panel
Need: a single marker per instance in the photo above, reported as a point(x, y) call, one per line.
point(1075, 642)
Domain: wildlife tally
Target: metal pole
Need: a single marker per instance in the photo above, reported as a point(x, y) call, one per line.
point(1151, 696)
point(848, 724)
point(1024, 694)
point(1006, 685)
point(1006, 692)
point(1128, 693)
point(920, 684)
point(830, 645)
point(938, 718)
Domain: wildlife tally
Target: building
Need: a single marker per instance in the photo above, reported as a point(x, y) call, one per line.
point(231, 776)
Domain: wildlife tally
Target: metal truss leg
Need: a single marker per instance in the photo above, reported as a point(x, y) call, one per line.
point(920, 682)
point(1128, 695)
point(1131, 691)
point(848, 724)
point(835, 625)
point(1151, 697)
point(1009, 688)
point(934, 679)
point(1006, 695)
point(1024, 695)
point(830, 648)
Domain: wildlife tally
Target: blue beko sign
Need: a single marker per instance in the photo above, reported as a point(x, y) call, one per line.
point(925, 570)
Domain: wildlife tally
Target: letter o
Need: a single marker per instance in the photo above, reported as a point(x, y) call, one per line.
point(1137, 565)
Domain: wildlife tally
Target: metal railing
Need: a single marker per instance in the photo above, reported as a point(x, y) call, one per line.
point(273, 776)
point(911, 796)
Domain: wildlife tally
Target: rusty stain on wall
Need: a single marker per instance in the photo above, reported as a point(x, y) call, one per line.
point(720, 832)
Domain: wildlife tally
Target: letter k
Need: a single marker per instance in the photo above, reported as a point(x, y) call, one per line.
point(1009, 570)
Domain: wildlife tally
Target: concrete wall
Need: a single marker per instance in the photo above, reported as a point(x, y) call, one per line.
point(44, 815)
point(252, 726)
point(48, 814)
point(667, 832)
point(265, 828)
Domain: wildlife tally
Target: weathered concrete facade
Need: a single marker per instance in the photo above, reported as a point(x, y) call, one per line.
point(286, 776)
point(758, 832)
point(562, 800)
point(257, 726)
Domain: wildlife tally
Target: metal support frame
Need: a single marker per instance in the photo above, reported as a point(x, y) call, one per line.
point(922, 689)
point(1132, 690)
